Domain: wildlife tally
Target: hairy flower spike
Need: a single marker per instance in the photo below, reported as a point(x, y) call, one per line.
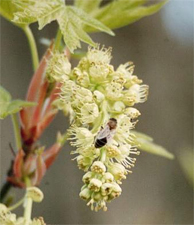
point(94, 93)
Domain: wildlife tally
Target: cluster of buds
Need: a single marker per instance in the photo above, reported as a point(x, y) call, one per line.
point(100, 187)
point(8, 218)
point(92, 93)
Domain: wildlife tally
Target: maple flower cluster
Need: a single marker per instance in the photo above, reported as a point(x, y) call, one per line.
point(92, 93)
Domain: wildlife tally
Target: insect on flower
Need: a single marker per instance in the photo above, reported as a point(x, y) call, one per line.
point(106, 133)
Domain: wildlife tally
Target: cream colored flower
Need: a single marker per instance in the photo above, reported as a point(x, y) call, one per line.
point(83, 162)
point(85, 194)
point(106, 189)
point(98, 96)
point(98, 73)
point(88, 113)
point(87, 177)
point(114, 91)
point(98, 167)
point(112, 151)
point(118, 171)
point(116, 191)
point(95, 185)
point(58, 68)
point(133, 113)
point(82, 78)
point(99, 56)
point(80, 137)
point(108, 177)
point(118, 106)
point(95, 92)
point(6, 217)
point(136, 94)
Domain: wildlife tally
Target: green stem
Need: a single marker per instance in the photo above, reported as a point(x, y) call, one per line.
point(33, 47)
point(16, 131)
point(58, 40)
point(28, 205)
point(103, 155)
point(28, 211)
point(15, 206)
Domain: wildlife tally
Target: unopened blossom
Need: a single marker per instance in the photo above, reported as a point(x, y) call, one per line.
point(95, 184)
point(85, 194)
point(98, 167)
point(35, 194)
point(93, 92)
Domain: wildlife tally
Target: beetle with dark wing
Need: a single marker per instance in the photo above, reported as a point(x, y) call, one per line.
point(106, 134)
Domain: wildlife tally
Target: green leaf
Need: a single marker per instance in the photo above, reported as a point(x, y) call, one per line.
point(186, 161)
point(7, 10)
point(16, 105)
point(87, 6)
point(70, 38)
point(123, 12)
point(50, 15)
point(145, 143)
point(8, 107)
point(71, 19)
point(71, 25)
point(88, 20)
point(42, 11)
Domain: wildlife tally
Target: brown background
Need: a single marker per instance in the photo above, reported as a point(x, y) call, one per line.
point(157, 192)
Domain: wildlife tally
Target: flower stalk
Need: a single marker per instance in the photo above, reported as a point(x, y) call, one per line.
point(58, 40)
point(16, 205)
point(16, 131)
point(33, 47)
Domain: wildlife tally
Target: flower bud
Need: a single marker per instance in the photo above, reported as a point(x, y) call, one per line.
point(85, 194)
point(119, 106)
point(95, 185)
point(106, 189)
point(116, 191)
point(87, 177)
point(35, 194)
point(118, 171)
point(98, 167)
point(132, 112)
point(97, 196)
point(108, 177)
point(98, 96)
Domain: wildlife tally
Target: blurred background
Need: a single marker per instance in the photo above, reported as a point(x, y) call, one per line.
point(161, 46)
